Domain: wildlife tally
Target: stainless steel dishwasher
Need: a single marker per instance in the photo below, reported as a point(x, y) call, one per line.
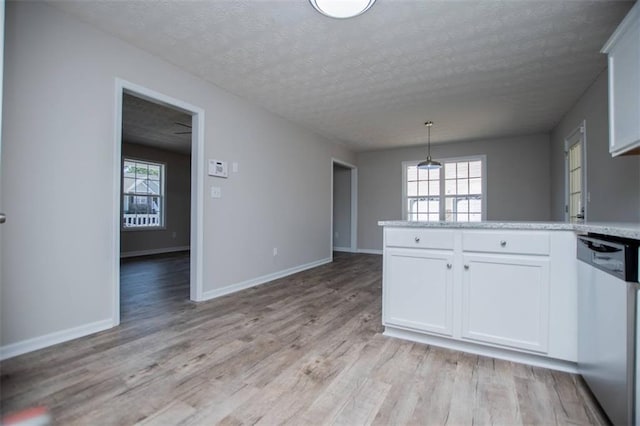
point(607, 299)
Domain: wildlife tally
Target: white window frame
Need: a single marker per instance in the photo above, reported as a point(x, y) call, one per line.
point(163, 195)
point(577, 135)
point(482, 158)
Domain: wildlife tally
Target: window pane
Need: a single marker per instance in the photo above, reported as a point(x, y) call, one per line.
point(140, 186)
point(422, 205)
point(449, 170)
point(141, 171)
point(154, 172)
point(423, 174)
point(434, 174)
point(462, 217)
point(412, 173)
point(434, 187)
point(412, 189)
point(434, 217)
point(475, 168)
point(423, 217)
point(154, 187)
point(128, 185)
point(475, 186)
point(463, 186)
point(475, 217)
point(462, 205)
point(413, 217)
point(423, 187)
point(434, 206)
point(450, 187)
point(475, 205)
point(463, 169)
point(129, 169)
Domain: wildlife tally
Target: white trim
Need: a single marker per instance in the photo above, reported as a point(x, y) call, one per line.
point(153, 251)
point(481, 157)
point(493, 352)
point(581, 131)
point(343, 249)
point(354, 206)
point(370, 251)
point(622, 28)
point(40, 342)
point(197, 185)
point(233, 288)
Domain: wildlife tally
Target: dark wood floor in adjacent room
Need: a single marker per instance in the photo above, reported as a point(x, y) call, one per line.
point(306, 349)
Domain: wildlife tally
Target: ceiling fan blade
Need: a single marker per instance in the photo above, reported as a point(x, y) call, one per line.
point(181, 133)
point(184, 125)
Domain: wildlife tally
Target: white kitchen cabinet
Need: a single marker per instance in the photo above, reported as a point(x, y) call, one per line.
point(421, 297)
point(623, 50)
point(505, 300)
point(510, 294)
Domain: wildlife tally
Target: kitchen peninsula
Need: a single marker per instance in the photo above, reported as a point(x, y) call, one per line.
point(501, 289)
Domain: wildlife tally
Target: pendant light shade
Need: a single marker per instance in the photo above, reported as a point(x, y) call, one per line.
point(429, 163)
point(342, 9)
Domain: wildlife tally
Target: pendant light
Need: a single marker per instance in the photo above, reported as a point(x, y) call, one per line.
point(429, 163)
point(342, 9)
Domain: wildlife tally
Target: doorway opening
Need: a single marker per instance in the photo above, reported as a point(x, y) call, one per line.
point(158, 202)
point(576, 195)
point(344, 207)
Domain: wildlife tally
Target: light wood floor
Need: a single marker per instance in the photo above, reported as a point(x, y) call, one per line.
point(306, 349)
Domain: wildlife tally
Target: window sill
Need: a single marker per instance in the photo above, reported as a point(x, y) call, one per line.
point(141, 228)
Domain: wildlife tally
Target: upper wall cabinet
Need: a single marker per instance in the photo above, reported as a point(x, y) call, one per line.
point(623, 49)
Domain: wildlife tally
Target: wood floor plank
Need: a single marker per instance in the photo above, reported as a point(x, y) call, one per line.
point(304, 349)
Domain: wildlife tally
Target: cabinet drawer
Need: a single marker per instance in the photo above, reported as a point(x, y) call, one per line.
point(517, 242)
point(419, 238)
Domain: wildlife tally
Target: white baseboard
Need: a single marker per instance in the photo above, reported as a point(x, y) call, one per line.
point(212, 294)
point(477, 349)
point(342, 249)
point(30, 345)
point(153, 251)
point(370, 251)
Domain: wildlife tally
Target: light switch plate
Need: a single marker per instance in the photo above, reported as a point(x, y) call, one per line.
point(216, 192)
point(218, 168)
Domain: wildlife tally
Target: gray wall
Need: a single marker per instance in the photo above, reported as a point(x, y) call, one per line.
point(177, 203)
point(341, 207)
point(614, 183)
point(517, 181)
point(59, 115)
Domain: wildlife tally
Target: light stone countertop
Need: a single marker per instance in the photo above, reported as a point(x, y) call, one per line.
point(626, 230)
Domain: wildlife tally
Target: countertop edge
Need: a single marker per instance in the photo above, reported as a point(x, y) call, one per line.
point(625, 230)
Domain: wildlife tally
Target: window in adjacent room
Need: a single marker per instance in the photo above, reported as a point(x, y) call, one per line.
point(142, 194)
point(454, 193)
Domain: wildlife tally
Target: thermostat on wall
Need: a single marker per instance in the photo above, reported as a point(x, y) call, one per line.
point(218, 168)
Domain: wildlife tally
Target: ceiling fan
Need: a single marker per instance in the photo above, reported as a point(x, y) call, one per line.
point(185, 132)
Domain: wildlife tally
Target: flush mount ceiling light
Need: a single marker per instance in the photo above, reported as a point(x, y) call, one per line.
point(429, 163)
point(342, 9)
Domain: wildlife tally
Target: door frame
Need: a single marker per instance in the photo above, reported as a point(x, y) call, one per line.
point(582, 130)
point(354, 206)
point(197, 185)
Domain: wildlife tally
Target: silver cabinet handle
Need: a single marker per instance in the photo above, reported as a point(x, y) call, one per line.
point(3, 218)
point(417, 239)
point(466, 267)
point(449, 266)
point(503, 243)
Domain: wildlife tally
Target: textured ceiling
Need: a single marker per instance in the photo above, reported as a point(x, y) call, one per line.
point(478, 69)
point(150, 124)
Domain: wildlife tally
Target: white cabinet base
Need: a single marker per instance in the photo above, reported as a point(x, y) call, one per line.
point(482, 349)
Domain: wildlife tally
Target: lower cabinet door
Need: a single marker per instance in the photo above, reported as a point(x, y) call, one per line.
point(418, 290)
point(505, 301)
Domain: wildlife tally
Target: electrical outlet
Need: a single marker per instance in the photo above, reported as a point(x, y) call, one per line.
point(216, 192)
point(275, 251)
